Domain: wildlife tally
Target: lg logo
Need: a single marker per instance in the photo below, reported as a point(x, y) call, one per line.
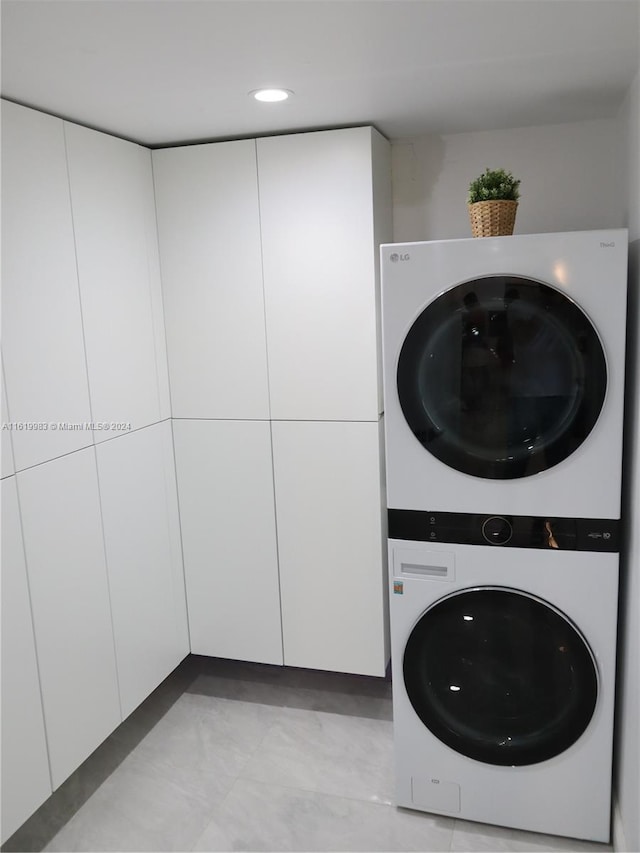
point(394, 257)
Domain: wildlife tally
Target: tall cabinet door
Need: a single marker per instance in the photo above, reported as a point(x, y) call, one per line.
point(42, 341)
point(225, 483)
point(318, 196)
point(71, 611)
point(25, 768)
point(142, 538)
point(118, 269)
point(209, 230)
point(330, 542)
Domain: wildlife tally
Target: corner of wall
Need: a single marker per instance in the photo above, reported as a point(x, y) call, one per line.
point(626, 824)
point(618, 840)
point(629, 117)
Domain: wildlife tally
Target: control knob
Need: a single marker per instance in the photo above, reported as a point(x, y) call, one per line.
point(497, 530)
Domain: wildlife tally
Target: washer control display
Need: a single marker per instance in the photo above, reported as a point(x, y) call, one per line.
point(515, 531)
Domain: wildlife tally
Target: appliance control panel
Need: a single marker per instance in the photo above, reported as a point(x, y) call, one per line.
point(515, 531)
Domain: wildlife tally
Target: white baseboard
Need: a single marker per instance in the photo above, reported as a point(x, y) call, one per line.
point(617, 832)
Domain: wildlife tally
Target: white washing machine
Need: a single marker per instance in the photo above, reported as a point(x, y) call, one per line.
point(503, 387)
point(503, 684)
point(504, 373)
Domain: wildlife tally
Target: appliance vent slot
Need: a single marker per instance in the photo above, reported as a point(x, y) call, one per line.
point(429, 571)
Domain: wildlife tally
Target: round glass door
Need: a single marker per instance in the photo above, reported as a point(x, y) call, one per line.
point(501, 377)
point(500, 676)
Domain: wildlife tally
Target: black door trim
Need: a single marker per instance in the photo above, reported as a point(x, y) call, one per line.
point(500, 676)
point(501, 377)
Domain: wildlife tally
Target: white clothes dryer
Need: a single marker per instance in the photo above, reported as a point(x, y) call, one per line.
point(503, 684)
point(504, 374)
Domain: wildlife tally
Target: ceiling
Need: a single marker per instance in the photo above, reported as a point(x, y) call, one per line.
point(169, 71)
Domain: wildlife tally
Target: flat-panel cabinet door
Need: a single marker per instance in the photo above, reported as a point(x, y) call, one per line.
point(42, 343)
point(209, 235)
point(320, 257)
point(225, 489)
point(118, 269)
point(144, 559)
point(26, 783)
point(70, 603)
point(330, 543)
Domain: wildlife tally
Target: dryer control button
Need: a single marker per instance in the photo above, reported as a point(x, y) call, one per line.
point(497, 530)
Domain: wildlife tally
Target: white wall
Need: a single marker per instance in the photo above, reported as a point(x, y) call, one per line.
point(570, 173)
point(627, 785)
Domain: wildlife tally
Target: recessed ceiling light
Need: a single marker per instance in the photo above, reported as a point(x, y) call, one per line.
point(271, 95)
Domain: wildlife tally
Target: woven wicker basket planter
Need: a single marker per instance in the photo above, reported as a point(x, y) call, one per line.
point(492, 218)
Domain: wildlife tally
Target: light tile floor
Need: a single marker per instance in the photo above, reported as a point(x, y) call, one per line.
point(231, 756)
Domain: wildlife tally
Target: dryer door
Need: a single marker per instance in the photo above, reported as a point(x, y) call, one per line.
point(500, 676)
point(501, 377)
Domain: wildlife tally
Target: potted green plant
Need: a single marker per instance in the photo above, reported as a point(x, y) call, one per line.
point(492, 203)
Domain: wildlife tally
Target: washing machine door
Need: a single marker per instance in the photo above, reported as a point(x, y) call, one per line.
point(500, 676)
point(501, 377)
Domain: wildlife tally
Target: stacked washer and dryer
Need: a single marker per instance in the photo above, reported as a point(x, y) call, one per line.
point(504, 379)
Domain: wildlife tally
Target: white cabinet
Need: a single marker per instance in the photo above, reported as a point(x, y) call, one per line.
point(331, 543)
point(324, 202)
point(297, 218)
point(142, 537)
point(70, 604)
point(25, 768)
point(209, 235)
point(43, 349)
point(312, 234)
point(118, 269)
point(225, 485)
